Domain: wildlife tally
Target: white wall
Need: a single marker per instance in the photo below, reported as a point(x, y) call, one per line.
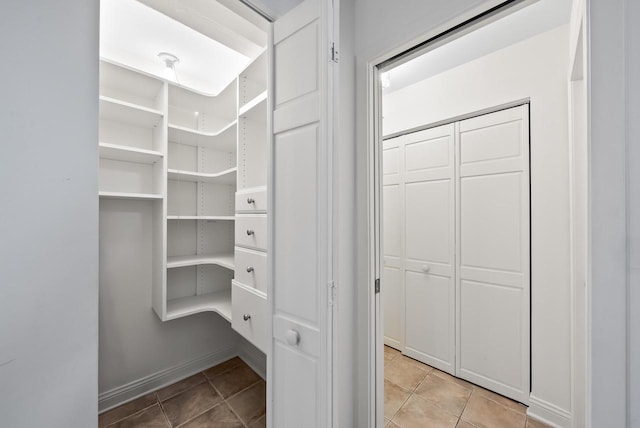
point(534, 69)
point(49, 220)
point(134, 343)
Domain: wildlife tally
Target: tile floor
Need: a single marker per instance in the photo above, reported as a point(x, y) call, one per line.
point(418, 396)
point(229, 395)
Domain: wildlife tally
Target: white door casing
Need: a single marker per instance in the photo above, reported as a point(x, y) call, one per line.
point(299, 386)
point(493, 272)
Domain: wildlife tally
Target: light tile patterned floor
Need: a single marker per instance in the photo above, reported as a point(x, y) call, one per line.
point(419, 396)
point(229, 395)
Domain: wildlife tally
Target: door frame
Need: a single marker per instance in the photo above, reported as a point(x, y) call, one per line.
point(462, 24)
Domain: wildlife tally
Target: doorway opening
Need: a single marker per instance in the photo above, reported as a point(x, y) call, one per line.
point(469, 165)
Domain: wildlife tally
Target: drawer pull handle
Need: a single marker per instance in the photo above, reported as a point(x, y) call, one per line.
point(251, 201)
point(246, 317)
point(250, 232)
point(293, 337)
point(249, 269)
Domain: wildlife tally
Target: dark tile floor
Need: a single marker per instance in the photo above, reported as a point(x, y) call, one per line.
point(229, 395)
point(419, 396)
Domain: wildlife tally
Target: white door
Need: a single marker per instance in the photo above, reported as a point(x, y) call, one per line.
point(392, 287)
point(299, 384)
point(429, 231)
point(493, 277)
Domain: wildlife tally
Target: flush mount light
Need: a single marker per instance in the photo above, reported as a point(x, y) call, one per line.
point(169, 61)
point(385, 79)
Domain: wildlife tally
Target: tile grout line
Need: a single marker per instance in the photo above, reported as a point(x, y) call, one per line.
point(166, 417)
point(130, 414)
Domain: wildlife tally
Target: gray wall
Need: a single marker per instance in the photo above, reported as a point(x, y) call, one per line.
point(49, 220)
point(134, 343)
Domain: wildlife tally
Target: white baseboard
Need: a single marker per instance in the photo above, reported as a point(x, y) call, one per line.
point(254, 358)
point(132, 390)
point(548, 413)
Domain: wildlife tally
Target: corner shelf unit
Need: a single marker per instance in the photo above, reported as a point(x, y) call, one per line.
point(191, 155)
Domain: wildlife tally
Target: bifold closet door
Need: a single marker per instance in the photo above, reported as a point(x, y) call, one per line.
point(429, 233)
point(494, 267)
point(392, 197)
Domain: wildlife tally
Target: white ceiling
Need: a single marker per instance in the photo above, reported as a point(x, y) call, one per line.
point(527, 22)
point(224, 43)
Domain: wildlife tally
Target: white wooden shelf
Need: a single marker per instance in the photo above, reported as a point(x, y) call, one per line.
point(122, 111)
point(219, 301)
point(251, 104)
point(126, 195)
point(128, 153)
point(223, 139)
point(224, 260)
point(202, 217)
point(227, 176)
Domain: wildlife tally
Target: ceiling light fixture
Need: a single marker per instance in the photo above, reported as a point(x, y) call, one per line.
point(385, 79)
point(169, 61)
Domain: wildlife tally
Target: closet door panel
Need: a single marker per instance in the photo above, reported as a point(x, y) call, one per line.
point(429, 244)
point(429, 218)
point(430, 323)
point(392, 295)
point(493, 272)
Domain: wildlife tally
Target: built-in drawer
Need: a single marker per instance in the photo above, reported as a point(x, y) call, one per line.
point(252, 200)
point(251, 231)
point(249, 314)
point(251, 268)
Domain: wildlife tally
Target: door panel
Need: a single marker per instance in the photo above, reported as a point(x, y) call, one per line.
point(429, 245)
point(493, 271)
point(299, 380)
point(429, 334)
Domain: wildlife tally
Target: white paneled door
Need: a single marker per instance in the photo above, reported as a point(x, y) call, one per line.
point(429, 230)
point(456, 247)
point(493, 278)
point(299, 384)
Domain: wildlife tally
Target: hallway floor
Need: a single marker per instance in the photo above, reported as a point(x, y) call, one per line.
point(418, 396)
point(228, 395)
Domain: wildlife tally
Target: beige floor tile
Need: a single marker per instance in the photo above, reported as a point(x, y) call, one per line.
point(403, 373)
point(420, 413)
point(390, 353)
point(485, 413)
point(456, 380)
point(532, 423)
point(250, 404)
point(416, 363)
point(514, 405)
point(235, 380)
point(151, 417)
point(392, 425)
point(220, 416)
point(181, 386)
point(464, 424)
point(127, 409)
point(223, 367)
point(394, 396)
point(447, 395)
point(190, 403)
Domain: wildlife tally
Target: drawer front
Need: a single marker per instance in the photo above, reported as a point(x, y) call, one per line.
point(251, 231)
point(251, 201)
point(247, 304)
point(251, 268)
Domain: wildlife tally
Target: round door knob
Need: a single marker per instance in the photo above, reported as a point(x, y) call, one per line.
point(293, 337)
point(426, 268)
point(250, 232)
point(249, 269)
point(251, 201)
point(246, 317)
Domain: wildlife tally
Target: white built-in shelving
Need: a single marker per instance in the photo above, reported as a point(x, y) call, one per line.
point(190, 154)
